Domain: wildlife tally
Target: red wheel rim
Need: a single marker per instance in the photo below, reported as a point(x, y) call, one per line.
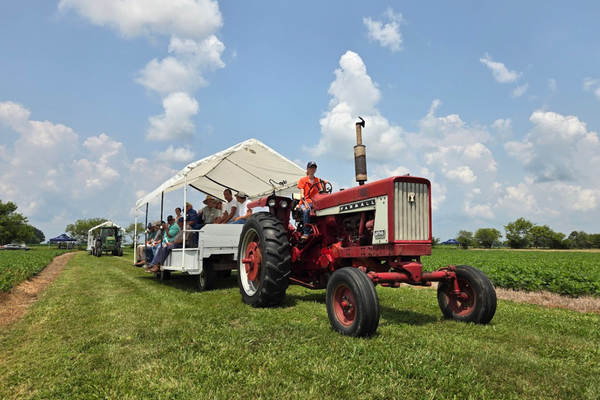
point(458, 305)
point(344, 305)
point(252, 261)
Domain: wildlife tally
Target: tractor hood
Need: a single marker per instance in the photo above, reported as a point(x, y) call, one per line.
point(250, 166)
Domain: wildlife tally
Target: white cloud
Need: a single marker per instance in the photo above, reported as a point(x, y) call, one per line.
point(184, 70)
point(519, 91)
point(387, 35)
point(499, 71)
point(175, 122)
point(354, 94)
point(56, 179)
point(554, 147)
point(592, 85)
point(194, 19)
point(175, 155)
point(552, 84)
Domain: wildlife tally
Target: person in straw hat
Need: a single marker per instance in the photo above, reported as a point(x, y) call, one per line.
point(209, 212)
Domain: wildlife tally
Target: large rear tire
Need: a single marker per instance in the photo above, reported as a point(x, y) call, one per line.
point(206, 279)
point(264, 261)
point(478, 304)
point(352, 303)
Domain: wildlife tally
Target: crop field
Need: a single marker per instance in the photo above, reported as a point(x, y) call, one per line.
point(567, 273)
point(19, 265)
point(105, 329)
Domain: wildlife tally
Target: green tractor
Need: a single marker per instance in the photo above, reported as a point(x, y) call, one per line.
point(106, 238)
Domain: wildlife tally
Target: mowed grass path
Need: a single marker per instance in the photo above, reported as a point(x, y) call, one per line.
point(104, 329)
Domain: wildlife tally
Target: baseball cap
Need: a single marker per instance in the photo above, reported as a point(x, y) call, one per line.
point(311, 164)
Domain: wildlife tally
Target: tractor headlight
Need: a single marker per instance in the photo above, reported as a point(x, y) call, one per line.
point(283, 203)
point(271, 203)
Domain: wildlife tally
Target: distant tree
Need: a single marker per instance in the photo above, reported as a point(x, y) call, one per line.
point(486, 237)
point(79, 229)
point(557, 241)
point(13, 225)
point(580, 240)
point(37, 237)
point(595, 240)
point(518, 233)
point(130, 231)
point(541, 236)
point(465, 238)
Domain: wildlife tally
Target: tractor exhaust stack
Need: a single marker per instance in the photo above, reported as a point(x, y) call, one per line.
point(360, 155)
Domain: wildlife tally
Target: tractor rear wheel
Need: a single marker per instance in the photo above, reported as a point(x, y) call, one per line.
point(206, 279)
point(352, 303)
point(264, 261)
point(477, 302)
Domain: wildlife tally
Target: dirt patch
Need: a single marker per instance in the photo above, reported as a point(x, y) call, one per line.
point(585, 304)
point(14, 304)
point(582, 304)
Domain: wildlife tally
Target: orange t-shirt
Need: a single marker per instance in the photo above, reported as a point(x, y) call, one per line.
point(304, 185)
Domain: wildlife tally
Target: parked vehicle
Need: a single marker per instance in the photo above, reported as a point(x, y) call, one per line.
point(14, 246)
point(106, 238)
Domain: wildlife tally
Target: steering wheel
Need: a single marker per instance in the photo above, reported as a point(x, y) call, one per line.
point(326, 187)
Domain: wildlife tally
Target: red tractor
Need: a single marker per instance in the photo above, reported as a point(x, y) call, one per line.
point(371, 234)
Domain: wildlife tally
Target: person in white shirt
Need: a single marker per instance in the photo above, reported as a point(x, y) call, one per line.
point(243, 212)
point(230, 211)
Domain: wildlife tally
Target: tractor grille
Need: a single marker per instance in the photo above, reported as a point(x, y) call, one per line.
point(411, 218)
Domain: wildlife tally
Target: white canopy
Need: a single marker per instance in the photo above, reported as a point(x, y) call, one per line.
point(250, 166)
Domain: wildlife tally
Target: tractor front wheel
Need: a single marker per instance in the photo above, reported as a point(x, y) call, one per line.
point(264, 261)
point(477, 299)
point(352, 303)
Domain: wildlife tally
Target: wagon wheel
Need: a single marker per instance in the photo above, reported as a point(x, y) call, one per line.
point(264, 261)
point(477, 301)
point(352, 303)
point(206, 279)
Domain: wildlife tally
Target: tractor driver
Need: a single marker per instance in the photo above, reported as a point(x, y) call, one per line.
point(304, 184)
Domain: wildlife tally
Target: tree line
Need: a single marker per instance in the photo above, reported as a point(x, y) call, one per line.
point(524, 234)
point(14, 226)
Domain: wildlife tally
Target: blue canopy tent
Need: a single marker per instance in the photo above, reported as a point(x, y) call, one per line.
point(68, 242)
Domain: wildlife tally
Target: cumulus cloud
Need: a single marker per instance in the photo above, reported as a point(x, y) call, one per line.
point(499, 71)
point(550, 150)
point(592, 85)
point(47, 169)
point(175, 155)
point(519, 91)
point(175, 122)
point(354, 93)
point(388, 35)
point(193, 50)
point(185, 18)
point(183, 71)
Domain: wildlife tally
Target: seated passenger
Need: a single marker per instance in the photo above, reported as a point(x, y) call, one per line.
point(231, 207)
point(141, 249)
point(171, 229)
point(165, 249)
point(209, 212)
point(243, 212)
point(219, 207)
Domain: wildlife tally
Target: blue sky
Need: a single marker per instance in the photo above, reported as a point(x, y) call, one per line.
point(496, 104)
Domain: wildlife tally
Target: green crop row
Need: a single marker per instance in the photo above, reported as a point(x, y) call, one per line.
point(18, 266)
point(572, 274)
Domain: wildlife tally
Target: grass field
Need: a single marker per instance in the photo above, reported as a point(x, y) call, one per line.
point(19, 265)
point(104, 329)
